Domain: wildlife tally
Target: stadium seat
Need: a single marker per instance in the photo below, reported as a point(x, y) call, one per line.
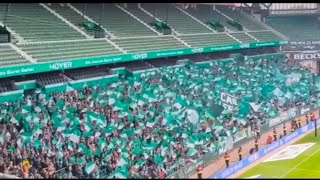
point(34, 23)
point(116, 21)
point(45, 52)
point(244, 38)
point(265, 35)
point(214, 39)
point(176, 19)
point(69, 14)
point(243, 20)
point(296, 27)
point(206, 13)
point(134, 45)
point(10, 57)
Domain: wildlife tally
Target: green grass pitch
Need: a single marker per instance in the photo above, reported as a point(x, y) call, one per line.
point(306, 165)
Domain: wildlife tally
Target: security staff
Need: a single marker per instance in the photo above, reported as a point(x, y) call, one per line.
point(256, 144)
point(240, 153)
point(227, 159)
point(312, 116)
point(258, 132)
point(274, 134)
point(284, 130)
point(199, 171)
point(299, 123)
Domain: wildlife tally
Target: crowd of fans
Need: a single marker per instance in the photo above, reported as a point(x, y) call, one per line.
point(141, 126)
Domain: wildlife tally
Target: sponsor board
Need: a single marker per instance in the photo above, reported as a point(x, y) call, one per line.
point(61, 64)
point(302, 46)
point(304, 55)
point(234, 168)
point(290, 152)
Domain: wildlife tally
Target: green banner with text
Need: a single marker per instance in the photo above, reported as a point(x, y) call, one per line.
point(61, 65)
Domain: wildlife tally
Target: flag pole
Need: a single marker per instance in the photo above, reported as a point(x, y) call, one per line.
point(84, 10)
point(315, 127)
point(6, 15)
point(167, 13)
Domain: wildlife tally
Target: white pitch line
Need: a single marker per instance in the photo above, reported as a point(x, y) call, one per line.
point(300, 163)
point(308, 170)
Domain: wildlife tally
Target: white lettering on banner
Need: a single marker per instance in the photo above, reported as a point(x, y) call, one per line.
point(304, 42)
point(306, 56)
point(274, 121)
point(228, 99)
point(272, 147)
point(30, 69)
point(265, 44)
point(291, 136)
point(291, 113)
point(283, 42)
point(240, 135)
point(253, 157)
point(304, 129)
point(193, 166)
point(60, 65)
point(197, 50)
point(245, 45)
point(227, 107)
point(140, 56)
point(304, 110)
point(283, 116)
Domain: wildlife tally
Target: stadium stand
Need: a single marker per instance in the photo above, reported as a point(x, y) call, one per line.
point(121, 110)
point(68, 14)
point(243, 20)
point(116, 20)
point(43, 79)
point(301, 27)
point(141, 118)
point(42, 25)
point(5, 86)
point(64, 50)
point(133, 8)
point(155, 43)
point(9, 57)
point(179, 21)
point(244, 38)
point(208, 39)
point(87, 73)
point(264, 35)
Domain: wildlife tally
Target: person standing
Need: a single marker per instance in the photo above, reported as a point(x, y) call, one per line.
point(256, 144)
point(312, 117)
point(299, 123)
point(258, 132)
point(227, 159)
point(200, 171)
point(274, 134)
point(284, 130)
point(307, 118)
point(240, 153)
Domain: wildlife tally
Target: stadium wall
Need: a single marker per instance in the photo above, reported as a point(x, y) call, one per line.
point(225, 173)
